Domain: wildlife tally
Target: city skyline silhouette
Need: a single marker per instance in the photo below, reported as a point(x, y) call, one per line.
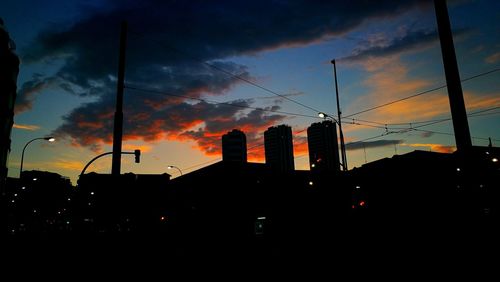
point(244, 109)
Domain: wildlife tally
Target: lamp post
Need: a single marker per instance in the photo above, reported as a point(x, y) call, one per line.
point(341, 135)
point(48, 138)
point(173, 166)
point(339, 112)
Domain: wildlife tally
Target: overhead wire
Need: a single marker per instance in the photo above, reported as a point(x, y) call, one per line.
point(421, 93)
point(236, 76)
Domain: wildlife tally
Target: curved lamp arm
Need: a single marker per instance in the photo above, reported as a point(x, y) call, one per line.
point(48, 138)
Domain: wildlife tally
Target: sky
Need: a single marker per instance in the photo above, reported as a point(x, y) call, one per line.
point(198, 69)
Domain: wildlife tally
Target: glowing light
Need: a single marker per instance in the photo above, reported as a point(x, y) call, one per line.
point(35, 179)
point(311, 183)
point(69, 199)
point(458, 169)
point(357, 186)
point(51, 139)
point(91, 193)
point(261, 218)
point(321, 115)
point(15, 195)
point(353, 206)
point(494, 160)
point(23, 187)
point(362, 203)
point(163, 218)
point(313, 165)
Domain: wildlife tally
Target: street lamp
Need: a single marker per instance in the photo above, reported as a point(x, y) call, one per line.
point(48, 138)
point(173, 166)
point(339, 112)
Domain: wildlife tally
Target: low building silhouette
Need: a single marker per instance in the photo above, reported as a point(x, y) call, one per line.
point(39, 202)
point(128, 203)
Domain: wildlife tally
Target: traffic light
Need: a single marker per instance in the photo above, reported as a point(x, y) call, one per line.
point(137, 154)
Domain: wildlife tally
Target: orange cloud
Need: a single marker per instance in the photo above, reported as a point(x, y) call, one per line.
point(26, 127)
point(494, 58)
point(434, 147)
point(392, 83)
point(67, 164)
point(132, 147)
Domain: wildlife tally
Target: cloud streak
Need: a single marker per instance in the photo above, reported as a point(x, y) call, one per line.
point(371, 144)
point(26, 127)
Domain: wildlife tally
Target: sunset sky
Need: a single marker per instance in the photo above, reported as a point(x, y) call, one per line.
point(268, 62)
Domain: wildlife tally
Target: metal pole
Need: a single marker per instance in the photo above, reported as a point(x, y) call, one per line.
point(341, 134)
point(22, 155)
point(118, 122)
point(455, 95)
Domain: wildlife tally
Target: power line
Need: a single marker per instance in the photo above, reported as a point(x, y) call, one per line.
point(215, 102)
point(422, 93)
point(426, 121)
point(200, 164)
point(354, 121)
point(239, 77)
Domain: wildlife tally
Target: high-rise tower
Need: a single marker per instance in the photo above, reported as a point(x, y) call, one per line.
point(234, 146)
point(323, 146)
point(279, 148)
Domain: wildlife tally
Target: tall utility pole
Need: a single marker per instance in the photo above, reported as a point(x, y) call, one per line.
point(118, 124)
point(455, 94)
point(341, 134)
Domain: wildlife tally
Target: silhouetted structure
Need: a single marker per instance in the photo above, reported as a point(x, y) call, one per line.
point(323, 146)
point(279, 148)
point(455, 95)
point(9, 69)
point(118, 121)
point(39, 202)
point(234, 146)
point(429, 190)
point(247, 207)
point(128, 203)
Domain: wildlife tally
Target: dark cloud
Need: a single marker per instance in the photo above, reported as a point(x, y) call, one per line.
point(426, 134)
point(209, 138)
point(168, 48)
point(371, 144)
point(409, 41)
point(29, 90)
point(381, 48)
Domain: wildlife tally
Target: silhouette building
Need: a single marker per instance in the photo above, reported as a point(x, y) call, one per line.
point(234, 146)
point(279, 148)
point(9, 69)
point(323, 146)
